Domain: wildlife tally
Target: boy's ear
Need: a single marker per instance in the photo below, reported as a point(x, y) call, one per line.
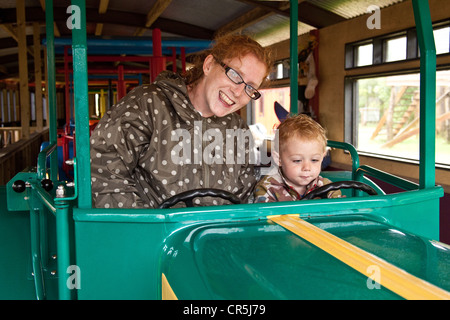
point(276, 158)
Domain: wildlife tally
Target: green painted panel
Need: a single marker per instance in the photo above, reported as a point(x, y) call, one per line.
point(118, 260)
point(16, 278)
point(261, 260)
point(15, 260)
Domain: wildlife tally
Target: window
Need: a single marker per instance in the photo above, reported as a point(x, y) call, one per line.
point(386, 116)
point(442, 39)
point(382, 111)
point(268, 119)
point(364, 55)
point(395, 49)
point(281, 70)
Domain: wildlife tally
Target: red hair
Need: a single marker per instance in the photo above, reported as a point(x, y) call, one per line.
point(226, 48)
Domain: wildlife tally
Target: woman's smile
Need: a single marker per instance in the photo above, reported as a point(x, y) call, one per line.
point(224, 98)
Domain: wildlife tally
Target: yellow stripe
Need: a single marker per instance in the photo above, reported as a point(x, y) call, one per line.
point(391, 277)
point(167, 292)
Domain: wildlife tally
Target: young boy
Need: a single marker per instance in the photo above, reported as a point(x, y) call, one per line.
point(302, 147)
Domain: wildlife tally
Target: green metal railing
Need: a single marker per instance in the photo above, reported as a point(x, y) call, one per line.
point(80, 75)
point(351, 149)
point(42, 202)
point(427, 93)
point(293, 51)
point(51, 85)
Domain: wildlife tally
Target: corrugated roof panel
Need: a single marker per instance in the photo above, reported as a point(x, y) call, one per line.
point(351, 8)
point(273, 29)
point(205, 13)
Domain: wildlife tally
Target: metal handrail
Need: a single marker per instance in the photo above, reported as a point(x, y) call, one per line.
point(42, 160)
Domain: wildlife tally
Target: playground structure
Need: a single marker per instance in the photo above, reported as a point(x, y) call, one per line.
point(152, 52)
point(379, 246)
point(401, 118)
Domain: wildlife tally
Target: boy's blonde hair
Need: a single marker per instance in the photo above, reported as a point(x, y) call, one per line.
point(301, 126)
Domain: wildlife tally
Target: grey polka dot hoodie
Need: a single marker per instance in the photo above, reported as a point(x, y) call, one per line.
point(153, 145)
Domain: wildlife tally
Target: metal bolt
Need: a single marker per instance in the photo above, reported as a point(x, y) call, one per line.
point(60, 191)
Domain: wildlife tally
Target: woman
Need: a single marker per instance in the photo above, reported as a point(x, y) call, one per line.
point(181, 133)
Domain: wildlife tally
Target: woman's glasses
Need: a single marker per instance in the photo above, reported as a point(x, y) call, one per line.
point(234, 76)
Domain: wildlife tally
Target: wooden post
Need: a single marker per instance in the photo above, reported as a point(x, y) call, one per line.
point(4, 113)
point(47, 120)
point(38, 77)
point(16, 107)
point(23, 70)
point(9, 106)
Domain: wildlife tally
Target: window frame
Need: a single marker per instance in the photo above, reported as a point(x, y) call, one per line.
point(356, 73)
point(379, 46)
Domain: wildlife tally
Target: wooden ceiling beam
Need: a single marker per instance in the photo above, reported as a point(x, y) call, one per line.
point(14, 34)
point(317, 17)
point(244, 21)
point(116, 18)
point(262, 10)
point(157, 9)
point(102, 8)
point(308, 13)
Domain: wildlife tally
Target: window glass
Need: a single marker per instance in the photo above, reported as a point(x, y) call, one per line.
point(395, 49)
point(387, 117)
point(264, 108)
point(364, 55)
point(281, 70)
point(442, 38)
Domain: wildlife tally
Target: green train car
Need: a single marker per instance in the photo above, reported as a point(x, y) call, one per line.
point(365, 246)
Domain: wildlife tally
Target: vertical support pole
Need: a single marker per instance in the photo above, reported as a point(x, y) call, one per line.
point(63, 248)
point(4, 105)
point(174, 59)
point(51, 87)
point(81, 109)
point(23, 70)
point(10, 106)
point(120, 83)
point(183, 59)
point(38, 77)
point(158, 61)
point(36, 260)
point(102, 102)
point(67, 88)
point(427, 93)
point(294, 55)
point(16, 106)
point(315, 99)
point(110, 96)
point(65, 141)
